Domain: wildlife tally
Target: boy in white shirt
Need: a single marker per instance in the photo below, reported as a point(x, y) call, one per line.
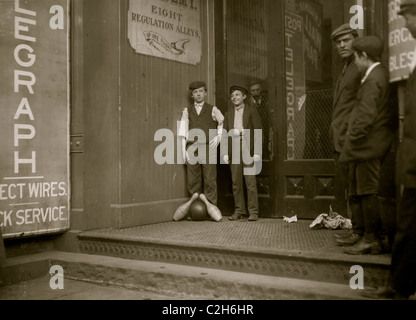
point(200, 130)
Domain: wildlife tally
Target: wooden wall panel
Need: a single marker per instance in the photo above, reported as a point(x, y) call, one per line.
point(124, 99)
point(100, 110)
point(154, 93)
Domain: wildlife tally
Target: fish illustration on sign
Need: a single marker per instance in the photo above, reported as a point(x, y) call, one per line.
point(162, 45)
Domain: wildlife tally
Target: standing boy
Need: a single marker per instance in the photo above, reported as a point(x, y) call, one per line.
point(199, 122)
point(241, 122)
point(369, 137)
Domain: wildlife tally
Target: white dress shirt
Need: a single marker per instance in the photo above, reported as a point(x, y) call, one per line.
point(184, 123)
point(369, 71)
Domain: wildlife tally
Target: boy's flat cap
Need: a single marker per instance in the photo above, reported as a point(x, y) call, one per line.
point(196, 85)
point(371, 45)
point(407, 5)
point(343, 30)
point(240, 88)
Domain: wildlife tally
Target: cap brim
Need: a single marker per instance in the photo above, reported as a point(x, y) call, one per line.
point(343, 33)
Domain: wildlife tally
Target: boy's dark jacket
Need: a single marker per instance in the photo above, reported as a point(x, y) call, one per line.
point(251, 121)
point(373, 120)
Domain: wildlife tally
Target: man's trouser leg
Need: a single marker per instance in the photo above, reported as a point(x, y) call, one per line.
point(354, 201)
point(357, 219)
point(371, 208)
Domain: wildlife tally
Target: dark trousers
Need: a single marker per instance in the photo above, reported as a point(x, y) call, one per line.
point(238, 177)
point(202, 178)
point(202, 173)
point(366, 219)
point(363, 188)
point(403, 263)
point(341, 184)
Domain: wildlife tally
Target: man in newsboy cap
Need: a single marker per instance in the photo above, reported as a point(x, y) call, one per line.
point(343, 30)
point(402, 280)
point(345, 94)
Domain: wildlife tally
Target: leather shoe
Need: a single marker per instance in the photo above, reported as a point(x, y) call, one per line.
point(253, 217)
point(364, 247)
point(234, 217)
point(383, 293)
point(350, 240)
point(343, 235)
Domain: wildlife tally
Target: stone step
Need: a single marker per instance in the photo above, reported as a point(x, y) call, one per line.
point(174, 279)
point(321, 266)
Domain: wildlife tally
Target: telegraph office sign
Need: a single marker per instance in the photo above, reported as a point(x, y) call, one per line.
point(34, 122)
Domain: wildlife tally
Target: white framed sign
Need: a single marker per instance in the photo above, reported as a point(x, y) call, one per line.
point(401, 44)
point(168, 29)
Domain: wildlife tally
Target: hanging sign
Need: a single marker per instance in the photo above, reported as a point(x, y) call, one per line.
point(312, 14)
point(401, 44)
point(295, 86)
point(167, 29)
point(34, 102)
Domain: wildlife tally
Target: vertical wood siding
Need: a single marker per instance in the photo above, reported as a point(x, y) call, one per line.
point(154, 93)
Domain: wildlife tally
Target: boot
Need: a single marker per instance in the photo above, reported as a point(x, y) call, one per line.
point(350, 240)
point(364, 247)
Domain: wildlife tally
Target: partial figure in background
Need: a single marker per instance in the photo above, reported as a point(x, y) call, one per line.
point(259, 100)
point(402, 281)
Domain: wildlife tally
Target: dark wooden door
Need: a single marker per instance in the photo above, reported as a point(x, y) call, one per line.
point(307, 185)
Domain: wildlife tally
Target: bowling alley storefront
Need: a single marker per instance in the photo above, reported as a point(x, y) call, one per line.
point(92, 92)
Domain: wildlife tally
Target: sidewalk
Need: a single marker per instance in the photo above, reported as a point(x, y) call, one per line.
point(111, 278)
point(39, 289)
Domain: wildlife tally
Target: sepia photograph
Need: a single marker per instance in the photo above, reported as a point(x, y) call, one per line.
point(208, 157)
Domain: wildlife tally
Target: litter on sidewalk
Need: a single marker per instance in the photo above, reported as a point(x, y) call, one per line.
point(290, 220)
point(332, 221)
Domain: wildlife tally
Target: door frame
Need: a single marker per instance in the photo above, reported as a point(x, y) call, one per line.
point(276, 99)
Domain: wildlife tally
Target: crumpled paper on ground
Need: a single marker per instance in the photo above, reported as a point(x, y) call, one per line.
point(331, 221)
point(290, 220)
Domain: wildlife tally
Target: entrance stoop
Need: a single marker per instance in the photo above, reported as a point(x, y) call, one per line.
point(82, 274)
point(269, 248)
point(265, 260)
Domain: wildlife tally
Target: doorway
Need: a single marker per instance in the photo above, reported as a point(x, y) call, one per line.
point(283, 49)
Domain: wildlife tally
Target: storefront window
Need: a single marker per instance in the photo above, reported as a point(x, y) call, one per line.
point(247, 57)
point(311, 71)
